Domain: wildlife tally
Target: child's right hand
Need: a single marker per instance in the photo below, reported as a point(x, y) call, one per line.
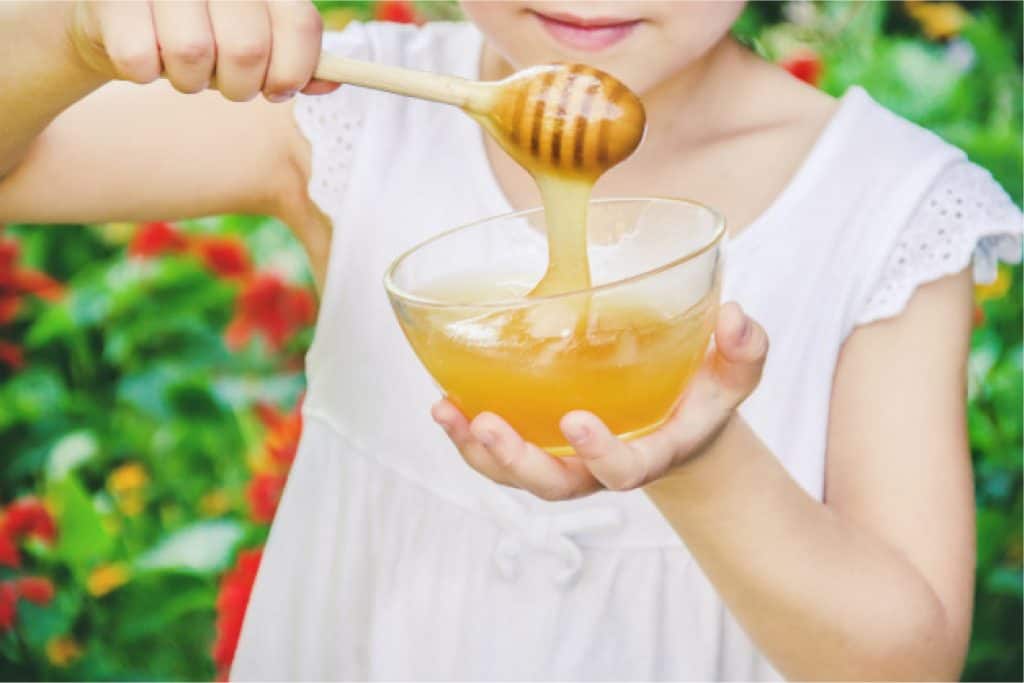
point(240, 48)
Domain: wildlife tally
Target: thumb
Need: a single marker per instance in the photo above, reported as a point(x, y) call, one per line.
point(741, 346)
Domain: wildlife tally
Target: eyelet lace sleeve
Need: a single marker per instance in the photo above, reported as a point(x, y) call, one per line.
point(332, 124)
point(965, 213)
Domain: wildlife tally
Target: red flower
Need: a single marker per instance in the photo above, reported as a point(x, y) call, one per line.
point(11, 354)
point(226, 256)
point(153, 239)
point(15, 282)
point(29, 517)
point(978, 319)
point(235, 589)
point(8, 254)
point(400, 11)
point(805, 65)
point(264, 493)
point(9, 555)
point(37, 589)
point(269, 305)
point(9, 305)
point(8, 606)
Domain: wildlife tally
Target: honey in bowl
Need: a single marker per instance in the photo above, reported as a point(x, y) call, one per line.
point(461, 299)
point(514, 317)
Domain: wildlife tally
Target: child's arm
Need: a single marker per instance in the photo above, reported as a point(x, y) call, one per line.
point(129, 151)
point(876, 583)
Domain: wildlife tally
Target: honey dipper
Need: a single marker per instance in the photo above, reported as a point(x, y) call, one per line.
point(559, 119)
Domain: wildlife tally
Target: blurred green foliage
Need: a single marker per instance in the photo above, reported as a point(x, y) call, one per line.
point(125, 409)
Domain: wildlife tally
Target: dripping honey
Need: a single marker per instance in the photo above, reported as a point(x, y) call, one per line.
point(623, 360)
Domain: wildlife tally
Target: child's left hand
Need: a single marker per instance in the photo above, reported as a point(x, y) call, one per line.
point(730, 373)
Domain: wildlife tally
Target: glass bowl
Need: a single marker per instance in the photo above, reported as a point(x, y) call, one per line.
point(623, 349)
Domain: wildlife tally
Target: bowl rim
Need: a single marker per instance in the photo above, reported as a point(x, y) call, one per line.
point(395, 291)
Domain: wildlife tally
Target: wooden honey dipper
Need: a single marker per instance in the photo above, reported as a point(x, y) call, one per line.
point(562, 119)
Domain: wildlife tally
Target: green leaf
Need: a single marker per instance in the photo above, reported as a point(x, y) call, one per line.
point(203, 547)
point(39, 623)
point(53, 324)
point(1006, 581)
point(83, 538)
point(30, 395)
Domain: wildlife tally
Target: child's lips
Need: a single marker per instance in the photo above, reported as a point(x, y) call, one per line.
point(587, 35)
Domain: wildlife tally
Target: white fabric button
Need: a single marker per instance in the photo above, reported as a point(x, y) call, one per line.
point(521, 529)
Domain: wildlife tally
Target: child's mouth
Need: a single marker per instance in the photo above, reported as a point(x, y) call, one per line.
point(588, 35)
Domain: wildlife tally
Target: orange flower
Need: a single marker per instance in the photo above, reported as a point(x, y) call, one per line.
point(153, 239)
point(29, 517)
point(232, 599)
point(107, 578)
point(264, 493)
point(38, 283)
point(283, 431)
point(938, 20)
point(270, 306)
point(15, 282)
point(62, 650)
point(8, 606)
point(36, 589)
point(226, 256)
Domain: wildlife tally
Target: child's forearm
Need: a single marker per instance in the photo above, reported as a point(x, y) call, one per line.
point(42, 74)
point(821, 598)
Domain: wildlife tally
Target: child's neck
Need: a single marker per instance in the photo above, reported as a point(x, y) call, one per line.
point(729, 130)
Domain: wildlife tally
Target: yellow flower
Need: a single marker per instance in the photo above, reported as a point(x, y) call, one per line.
point(62, 650)
point(214, 503)
point(995, 289)
point(938, 20)
point(127, 483)
point(130, 476)
point(117, 233)
point(337, 19)
point(106, 578)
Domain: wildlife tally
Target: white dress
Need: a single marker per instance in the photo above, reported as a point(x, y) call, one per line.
point(392, 559)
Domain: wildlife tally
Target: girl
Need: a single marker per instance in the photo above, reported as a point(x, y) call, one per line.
point(807, 516)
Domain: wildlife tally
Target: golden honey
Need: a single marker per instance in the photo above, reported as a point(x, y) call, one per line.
point(628, 364)
point(557, 346)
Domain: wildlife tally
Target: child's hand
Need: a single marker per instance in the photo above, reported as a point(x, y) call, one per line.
point(243, 48)
point(730, 373)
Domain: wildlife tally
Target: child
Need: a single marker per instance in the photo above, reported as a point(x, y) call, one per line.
point(823, 528)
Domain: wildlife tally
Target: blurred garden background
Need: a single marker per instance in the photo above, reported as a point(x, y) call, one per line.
point(151, 374)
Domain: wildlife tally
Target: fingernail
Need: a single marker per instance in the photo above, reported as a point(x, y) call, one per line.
point(576, 433)
point(279, 97)
point(745, 330)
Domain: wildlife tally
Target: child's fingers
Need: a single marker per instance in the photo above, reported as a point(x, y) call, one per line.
point(186, 43)
point(296, 30)
point(617, 465)
point(242, 32)
point(319, 87)
point(456, 426)
point(529, 467)
point(129, 40)
point(741, 347)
